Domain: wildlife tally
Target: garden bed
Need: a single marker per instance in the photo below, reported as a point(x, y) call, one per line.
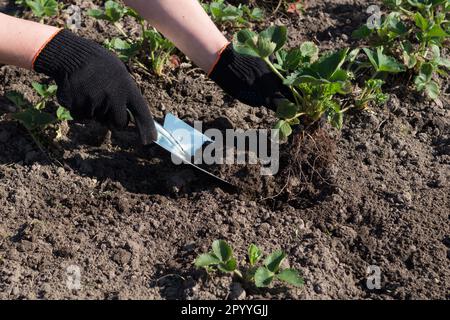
point(134, 222)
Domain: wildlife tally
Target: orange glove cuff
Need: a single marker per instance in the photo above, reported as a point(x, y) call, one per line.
point(219, 54)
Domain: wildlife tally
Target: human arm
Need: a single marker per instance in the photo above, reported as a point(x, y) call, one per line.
point(187, 25)
point(92, 82)
point(21, 40)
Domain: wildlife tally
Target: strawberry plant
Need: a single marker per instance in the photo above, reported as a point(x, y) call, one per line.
point(150, 51)
point(414, 31)
point(221, 259)
point(40, 8)
point(233, 16)
point(321, 84)
point(34, 117)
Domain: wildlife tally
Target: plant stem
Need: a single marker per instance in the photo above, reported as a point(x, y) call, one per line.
point(296, 116)
point(120, 29)
point(296, 95)
point(406, 11)
point(141, 65)
point(346, 109)
point(375, 75)
point(274, 70)
point(239, 274)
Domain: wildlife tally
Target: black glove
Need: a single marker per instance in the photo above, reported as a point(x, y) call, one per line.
point(249, 79)
point(94, 84)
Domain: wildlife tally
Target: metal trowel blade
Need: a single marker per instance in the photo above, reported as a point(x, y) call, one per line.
point(183, 141)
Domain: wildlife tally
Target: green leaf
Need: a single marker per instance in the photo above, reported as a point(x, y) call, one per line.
point(120, 44)
point(290, 276)
point(443, 62)
point(257, 14)
point(328, 64)
point(97, 14)
point(263, 277)
point(436, 32)
point(335, 116)
point(352, 55)
point(395, 25)
point(245, 43)
point(432, 90)
point(63, 114)
point(132, 13)
point(36, 7)
point(114, 11)
point(362, 32)
point(17, 99)
point(229, 266)
point(51, 7)
point(310, 50)
point(254, 254)
point(250, 274)
point(409, 55)
point(273, 261)
point(43, 90)
point(275, 34)
point(435, 51)
point(124, 49)
point(40, 105)
point(284, 128)
point(393, 4)
point(387, 63)
point(265, 47)
point(372, 58)
point(292, 59)
point(205, 260)
point(420, 4)
point(425, 73)
point(222, 250)
point(34, 119)
point(421, 22)
point(43, 8)
point(40, 88)
point(286, 109)
point(51, 90)
point(382, 62)
point(339, 75)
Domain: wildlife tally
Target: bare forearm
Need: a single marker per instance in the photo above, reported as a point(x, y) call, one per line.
point(21, 40)
point(187, 25)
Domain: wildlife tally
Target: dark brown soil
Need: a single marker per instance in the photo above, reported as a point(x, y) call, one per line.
point(376, 193)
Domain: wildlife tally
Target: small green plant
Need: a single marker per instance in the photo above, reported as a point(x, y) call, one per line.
point(321, 84)
point(221, 258)
point(150, 51)
point(233, 16)
point(414, 31)
point(34, 117)
point(40, 8)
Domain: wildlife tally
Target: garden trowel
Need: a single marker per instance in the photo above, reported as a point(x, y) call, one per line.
point(183, 141)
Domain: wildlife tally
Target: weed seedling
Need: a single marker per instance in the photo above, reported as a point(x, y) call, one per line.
point(221, 259)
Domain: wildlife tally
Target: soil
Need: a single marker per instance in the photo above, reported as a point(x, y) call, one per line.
point(374, 194)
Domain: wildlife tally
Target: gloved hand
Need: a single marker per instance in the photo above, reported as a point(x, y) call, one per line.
point(94, 84)
point(248, 79)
